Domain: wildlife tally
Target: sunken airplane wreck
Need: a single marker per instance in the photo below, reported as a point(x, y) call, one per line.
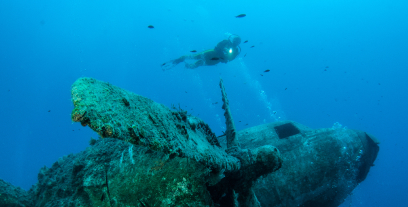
point(153, 156)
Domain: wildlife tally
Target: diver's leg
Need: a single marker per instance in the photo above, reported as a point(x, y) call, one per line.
point(201, 59)
point(172, 63)
point(195, 65)
point(179, 60)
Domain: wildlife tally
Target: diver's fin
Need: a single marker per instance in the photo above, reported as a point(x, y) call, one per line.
point(168, 65)
point(172, 63)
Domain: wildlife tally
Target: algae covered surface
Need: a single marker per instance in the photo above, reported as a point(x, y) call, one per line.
point(113, 112)
point(116, 173)
point(149, 155)
point(190, 158)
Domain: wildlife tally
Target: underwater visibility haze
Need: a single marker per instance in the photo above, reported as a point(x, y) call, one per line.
point(318, 63)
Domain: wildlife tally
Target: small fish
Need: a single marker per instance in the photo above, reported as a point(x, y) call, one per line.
point(239, 121)
point(325, 69)
point(267, 71)
point(49, 110)
point(185, 91)
point(215, 58)
point(150, 27)
point(286, 88)
point(327, 66)
point(240, 16)
point(163, 64)
point(245, 41)
point(252, 46)
point(261, 74)
point(193, 51)
point(274, 112)
point(245, 54)
point(215, 103)
point(246, 124)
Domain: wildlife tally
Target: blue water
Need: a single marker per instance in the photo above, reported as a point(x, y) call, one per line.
point(46, 45)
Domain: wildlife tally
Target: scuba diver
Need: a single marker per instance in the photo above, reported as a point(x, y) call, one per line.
point(224, 52)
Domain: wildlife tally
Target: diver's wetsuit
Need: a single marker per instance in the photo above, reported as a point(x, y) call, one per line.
point(224, 52)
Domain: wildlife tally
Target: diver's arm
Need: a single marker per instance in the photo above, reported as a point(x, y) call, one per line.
point(221, 46)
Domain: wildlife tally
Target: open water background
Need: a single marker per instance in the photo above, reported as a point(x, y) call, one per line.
point(46, 45)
